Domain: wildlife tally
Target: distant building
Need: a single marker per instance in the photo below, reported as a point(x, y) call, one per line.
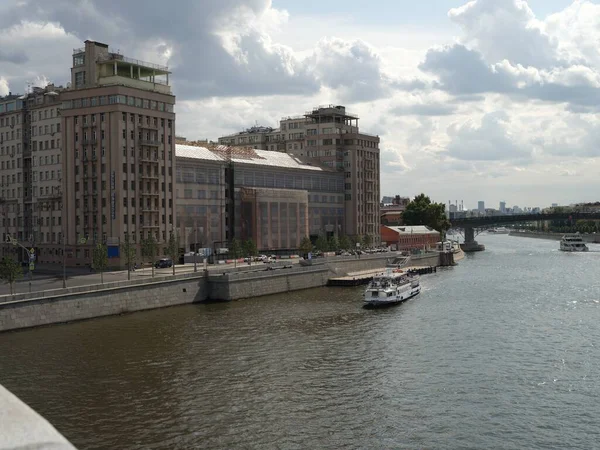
point(481, 206)
point(554, 205)
point(503, 207)
point(386, 200)
point(391, 218)
point(410, 237)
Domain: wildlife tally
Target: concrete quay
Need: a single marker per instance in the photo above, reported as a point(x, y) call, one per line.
point(143, 292)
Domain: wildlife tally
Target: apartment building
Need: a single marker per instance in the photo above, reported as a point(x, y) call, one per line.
point(12, 124)
point(330, 135)
point(118, 133)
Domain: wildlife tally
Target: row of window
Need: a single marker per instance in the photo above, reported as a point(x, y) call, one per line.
point(117, 99)
point(41, 115)
point(45, 129)
point(10, 135)
point(126, 203)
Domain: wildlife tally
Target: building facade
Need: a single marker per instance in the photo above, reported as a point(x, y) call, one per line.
point(118, 126)
point(275, 199)
point(409, 238)
point(330, 135)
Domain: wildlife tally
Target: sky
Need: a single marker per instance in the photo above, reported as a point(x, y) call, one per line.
point(493, 100)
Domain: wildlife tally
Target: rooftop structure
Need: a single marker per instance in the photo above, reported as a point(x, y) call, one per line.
point(96, 64)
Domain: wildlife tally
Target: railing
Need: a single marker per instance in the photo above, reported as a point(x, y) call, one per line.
point(150, 143)
point(78, 50)
point(118, 57)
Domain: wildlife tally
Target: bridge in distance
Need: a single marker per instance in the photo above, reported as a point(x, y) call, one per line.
point(468, 224)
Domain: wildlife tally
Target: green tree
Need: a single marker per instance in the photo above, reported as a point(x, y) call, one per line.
point(357, 240)
point(235, 250)
point(305, 245)
point(128, 253)
point(100, 259)
point(368, 240)
point(149, 250)
point(334, 243)
point(250, 249)
point(10, 271)
point(321, 243)
point(173, 248)
point(345, 242)
point(422, 211)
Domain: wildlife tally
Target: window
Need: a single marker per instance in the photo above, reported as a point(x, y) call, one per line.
point(79, 79)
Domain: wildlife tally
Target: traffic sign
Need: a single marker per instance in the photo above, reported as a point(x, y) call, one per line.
point(82, 240)
point(32, 251)
point(31, 266)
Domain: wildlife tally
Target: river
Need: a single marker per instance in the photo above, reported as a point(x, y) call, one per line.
point(501, 351)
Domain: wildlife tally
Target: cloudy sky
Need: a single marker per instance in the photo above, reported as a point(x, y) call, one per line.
point(481, 100)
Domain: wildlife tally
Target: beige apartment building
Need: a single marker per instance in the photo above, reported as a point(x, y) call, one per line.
point(31, 173)
point(330, 135)
point(118, 132)
point(12, 125)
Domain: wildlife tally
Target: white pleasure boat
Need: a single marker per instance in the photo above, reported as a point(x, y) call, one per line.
point(573, 243)
point(391, 287)
point(500, 230)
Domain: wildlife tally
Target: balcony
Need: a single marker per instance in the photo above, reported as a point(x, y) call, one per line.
point(90, 141)
point(156, 225)
point(150, 177)
point(88, 125)
point(151, 143)
point(148, 193)
point(150, 161)
point(148, 126)
point(149, 210)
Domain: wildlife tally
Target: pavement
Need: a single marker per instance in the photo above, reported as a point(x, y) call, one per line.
point(53, 279)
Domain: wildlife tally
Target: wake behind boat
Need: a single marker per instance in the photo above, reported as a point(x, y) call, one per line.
point(390, 288)
point(573, 243)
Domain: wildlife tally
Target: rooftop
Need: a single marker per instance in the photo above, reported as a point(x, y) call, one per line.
point(413, 229)
point(247, 155)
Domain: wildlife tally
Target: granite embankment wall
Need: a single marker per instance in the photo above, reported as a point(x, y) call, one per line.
point(589, 238)
point(86, 302)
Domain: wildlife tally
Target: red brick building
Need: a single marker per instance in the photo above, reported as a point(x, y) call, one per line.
point(410, 237)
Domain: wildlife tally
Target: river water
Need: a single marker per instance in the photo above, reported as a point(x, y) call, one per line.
point(501, 351)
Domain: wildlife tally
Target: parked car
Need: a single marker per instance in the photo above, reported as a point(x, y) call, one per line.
point(163, 262)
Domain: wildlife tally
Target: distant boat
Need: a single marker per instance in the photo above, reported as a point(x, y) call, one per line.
point(499, 230)
point(573, 243)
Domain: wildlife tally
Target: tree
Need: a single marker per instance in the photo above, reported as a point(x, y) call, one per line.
point(11, 271)
point(149, 250)
point(422, 211)
point(128, 252)
point(357, 240)
point(305, 245)
point(321, 243)
point(100, 259)
point(235, 250)
point(173, 248)
point(250, 249)
point(368, 240)
point(334, 243)
point(345, 243)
